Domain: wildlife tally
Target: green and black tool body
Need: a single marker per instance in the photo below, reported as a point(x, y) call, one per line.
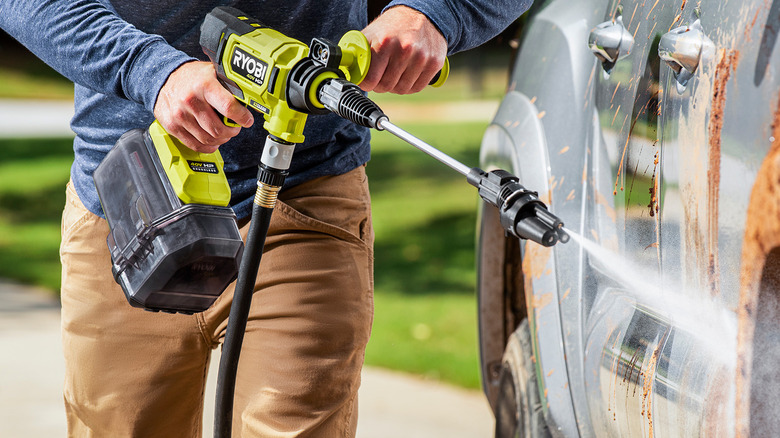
point(174, 241)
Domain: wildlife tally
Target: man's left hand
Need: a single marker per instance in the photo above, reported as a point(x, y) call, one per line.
point(407, 51)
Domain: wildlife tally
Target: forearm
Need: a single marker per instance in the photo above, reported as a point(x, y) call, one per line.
point(92, 46)
point(466, 24)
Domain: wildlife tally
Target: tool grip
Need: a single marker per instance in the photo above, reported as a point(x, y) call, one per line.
point(356, 59)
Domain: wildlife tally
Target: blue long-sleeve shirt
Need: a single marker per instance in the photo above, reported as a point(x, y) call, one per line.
point(119, 53)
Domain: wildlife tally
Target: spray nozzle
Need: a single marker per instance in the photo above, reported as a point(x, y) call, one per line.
point(521, 212)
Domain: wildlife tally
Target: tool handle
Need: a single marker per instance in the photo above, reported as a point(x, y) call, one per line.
point(442, 75)
point(356, 59)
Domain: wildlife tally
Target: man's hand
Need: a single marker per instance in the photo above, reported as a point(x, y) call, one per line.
point(407, 51)
point(188, 104)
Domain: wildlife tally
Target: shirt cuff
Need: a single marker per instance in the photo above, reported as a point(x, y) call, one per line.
point(440, 14)
point(150, 69)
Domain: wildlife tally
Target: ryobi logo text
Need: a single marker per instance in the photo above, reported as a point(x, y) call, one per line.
point(248, 66)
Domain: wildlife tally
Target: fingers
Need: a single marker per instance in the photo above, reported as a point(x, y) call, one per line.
point(188, 106)
point(196, 125)
point(400, 70)
point(427, 73)
point(376, 70)
point(224, 103)
point(406, 52)
point(417, 73)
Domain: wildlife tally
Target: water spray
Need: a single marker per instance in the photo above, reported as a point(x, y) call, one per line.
point(714, 326)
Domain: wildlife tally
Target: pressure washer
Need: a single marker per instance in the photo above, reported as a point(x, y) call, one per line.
point(174, 240)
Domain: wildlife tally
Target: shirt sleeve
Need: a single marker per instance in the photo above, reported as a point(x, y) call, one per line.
point(91, 45)
point(466, 24)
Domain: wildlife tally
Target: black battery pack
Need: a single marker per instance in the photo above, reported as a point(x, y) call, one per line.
point(167, 255)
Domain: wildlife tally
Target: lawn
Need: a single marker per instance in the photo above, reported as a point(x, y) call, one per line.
point(33, 174)
point(424, 218)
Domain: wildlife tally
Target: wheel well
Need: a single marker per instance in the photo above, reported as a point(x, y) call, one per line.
point(501, 292)
point(765, 373)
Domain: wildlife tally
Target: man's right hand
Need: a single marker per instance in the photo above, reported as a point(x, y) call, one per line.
point(188, 107)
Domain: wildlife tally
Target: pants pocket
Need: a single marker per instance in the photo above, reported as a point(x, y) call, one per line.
point(74, 217)
point(337, 205)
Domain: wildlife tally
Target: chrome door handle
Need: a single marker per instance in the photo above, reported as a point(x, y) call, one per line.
point(610, 42)
point(683, 49)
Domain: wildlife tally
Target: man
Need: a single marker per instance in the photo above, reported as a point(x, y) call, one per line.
point(135, 373)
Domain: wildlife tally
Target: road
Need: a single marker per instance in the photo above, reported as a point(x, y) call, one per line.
point(391, 404)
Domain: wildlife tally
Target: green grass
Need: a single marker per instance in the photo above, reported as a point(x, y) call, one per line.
point(430, 335)
point(33, 174)
point(424, 212)
point(424, 216)
point(473, 75)
point(23, 76)
point(15, 84)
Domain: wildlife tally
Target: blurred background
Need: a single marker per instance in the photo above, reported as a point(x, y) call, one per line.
point(424, 213)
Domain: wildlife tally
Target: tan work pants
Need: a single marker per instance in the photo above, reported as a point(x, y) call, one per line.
point(133, 373)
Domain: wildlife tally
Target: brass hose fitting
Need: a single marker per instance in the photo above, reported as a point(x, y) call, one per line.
point(266, 195)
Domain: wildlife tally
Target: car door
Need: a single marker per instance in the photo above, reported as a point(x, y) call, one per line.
point(684, 123)
point(621, 337)
point(718, 128)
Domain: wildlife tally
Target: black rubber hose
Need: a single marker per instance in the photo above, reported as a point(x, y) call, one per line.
point(239, 313)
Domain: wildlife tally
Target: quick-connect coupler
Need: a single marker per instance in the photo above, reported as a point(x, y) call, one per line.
point(274, 163)
point(521, 212)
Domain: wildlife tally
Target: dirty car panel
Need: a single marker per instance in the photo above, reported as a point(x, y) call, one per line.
point(657, 140)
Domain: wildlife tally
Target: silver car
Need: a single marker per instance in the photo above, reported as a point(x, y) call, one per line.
point(652, 129)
